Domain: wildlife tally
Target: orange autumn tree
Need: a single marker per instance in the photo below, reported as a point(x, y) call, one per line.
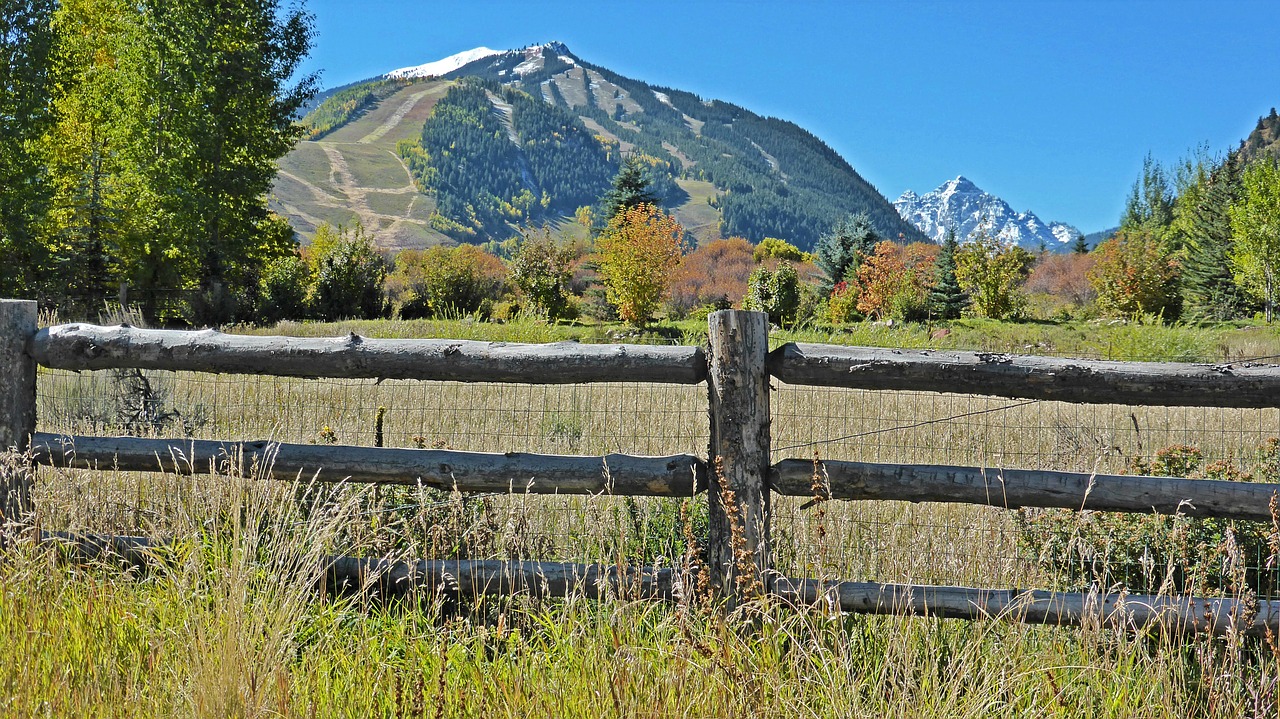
point(637, 253)
point(715, 272)
point(894, 281)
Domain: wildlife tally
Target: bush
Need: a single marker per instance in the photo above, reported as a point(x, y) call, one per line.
point(1135, 276)
point(718, 269)
point(542, 271)
point(349, 278)
point(777, 293)
point(636, 255)
point(894, 281)
point(990, 273)
point(1154, 553)
point(286, 288)
point(445, 281)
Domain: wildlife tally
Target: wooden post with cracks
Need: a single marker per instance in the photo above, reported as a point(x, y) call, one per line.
point(738, 493)
point(17, 407)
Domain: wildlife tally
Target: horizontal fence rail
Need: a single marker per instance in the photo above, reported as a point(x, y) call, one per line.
point(518, 472)
point(91, 347)
point(737, 371)
point(1015, 488)
point(389, 578)
point(1170, 384)
point(1072, 609)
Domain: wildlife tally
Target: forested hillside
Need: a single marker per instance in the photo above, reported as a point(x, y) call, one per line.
point(553, 131)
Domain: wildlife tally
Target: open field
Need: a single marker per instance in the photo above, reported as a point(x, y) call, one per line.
point(230, 625)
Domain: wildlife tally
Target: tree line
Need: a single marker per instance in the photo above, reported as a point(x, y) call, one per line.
point(138, 140)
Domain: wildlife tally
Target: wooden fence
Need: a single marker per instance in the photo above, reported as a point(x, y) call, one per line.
point(737, 368)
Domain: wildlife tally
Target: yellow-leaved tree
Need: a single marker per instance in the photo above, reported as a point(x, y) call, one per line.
point(637, 254)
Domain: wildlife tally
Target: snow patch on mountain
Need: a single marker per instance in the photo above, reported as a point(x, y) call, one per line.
point(446, 65)
point(962, 205)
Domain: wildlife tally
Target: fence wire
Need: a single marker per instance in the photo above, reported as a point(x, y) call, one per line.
point(936, 543)
point(882, 541)
point(586, 419)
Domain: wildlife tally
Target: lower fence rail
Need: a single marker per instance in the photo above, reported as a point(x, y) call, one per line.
point(390, 578)
point(671, 476)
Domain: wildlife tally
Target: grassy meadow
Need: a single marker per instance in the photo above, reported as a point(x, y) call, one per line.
point(229, 622)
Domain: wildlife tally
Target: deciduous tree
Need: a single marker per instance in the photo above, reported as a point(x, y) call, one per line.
point(1135, 275)
point(637, 254)
point(990, 272)
point(1255, 221)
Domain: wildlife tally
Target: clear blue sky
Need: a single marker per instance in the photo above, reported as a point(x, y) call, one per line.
point(1051, 105)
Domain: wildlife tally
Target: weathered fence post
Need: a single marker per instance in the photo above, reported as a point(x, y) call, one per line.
point(738, 496)
point(17, 406)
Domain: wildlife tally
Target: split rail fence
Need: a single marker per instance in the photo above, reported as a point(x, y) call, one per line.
point(737, 367)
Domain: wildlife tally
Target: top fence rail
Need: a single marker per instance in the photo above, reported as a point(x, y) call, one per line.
point(1168, 384)
point(90, 347)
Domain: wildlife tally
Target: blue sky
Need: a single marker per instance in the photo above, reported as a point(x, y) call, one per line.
point(1051, 105)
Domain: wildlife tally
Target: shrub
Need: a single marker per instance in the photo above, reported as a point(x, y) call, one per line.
point(776, 292)
point(349, 277)
point(442, 281)
point(717, 270)
point(771, 248)
point(894, 281)
point(1153, 553)
point(286, 287)
point(990, 272)
point(542, 270)
point(1134, 275)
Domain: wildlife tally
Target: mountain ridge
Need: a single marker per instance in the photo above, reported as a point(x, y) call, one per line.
point(738, 173)
point(961, 205)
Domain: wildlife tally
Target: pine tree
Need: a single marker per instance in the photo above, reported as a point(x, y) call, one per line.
point(1150, 204)
point(26, 42)
point(1209, 289)
point(631, 188)
point(839, 252)
point(1081, 246)
point(946, 299)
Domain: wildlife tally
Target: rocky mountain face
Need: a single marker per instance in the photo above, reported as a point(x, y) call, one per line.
point(961, 205)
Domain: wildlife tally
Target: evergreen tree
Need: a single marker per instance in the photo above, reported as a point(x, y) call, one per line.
point(1150, 204)
point(631, 188)
point(1081, 245)
point(839, 252)
point(946, 299)
point(1209, 289)
point(26, 42)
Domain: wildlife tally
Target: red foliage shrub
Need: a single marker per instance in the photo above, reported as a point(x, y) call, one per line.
point(718, 269)
point(1065, 277)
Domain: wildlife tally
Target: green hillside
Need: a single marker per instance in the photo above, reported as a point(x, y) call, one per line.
point(533, 134)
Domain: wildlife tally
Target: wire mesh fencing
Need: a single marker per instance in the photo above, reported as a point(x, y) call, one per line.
point(931, 543)
point(585, 419)
point(936, 543)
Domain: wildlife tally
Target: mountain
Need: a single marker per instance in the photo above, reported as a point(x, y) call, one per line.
point(962, 205)
point(472, 146)
point(1264, 140)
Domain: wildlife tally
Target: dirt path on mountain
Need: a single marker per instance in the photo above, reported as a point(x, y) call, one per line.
point(355, 198)
point(405, 108)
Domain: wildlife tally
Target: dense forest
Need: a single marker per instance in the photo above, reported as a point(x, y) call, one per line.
point(139, 141)
point(489, 167)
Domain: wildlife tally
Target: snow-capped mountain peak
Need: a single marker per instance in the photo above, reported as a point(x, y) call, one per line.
point(962, 205)
point(446, 65)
